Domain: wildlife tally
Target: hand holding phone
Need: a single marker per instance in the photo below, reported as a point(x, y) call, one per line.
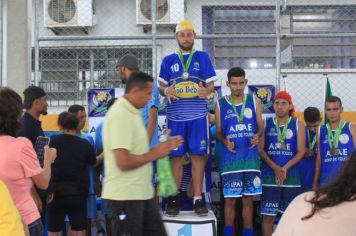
point(50, 154)
point(41, 142)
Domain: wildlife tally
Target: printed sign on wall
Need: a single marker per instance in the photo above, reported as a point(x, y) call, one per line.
point(97, 101)
point(266, 94)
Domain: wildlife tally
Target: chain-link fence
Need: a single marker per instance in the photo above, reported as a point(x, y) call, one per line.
point(288, 43)
point(293, 45)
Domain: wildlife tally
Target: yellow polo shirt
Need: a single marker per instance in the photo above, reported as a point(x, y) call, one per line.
point(124, 128)
point(10, 220)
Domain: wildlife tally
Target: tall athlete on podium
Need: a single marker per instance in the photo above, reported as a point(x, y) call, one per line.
point(186, 79)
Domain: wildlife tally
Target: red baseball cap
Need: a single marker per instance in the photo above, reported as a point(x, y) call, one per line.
point(286, 96)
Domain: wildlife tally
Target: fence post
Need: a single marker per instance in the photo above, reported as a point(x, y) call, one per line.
point(278, 45)
point(37, 53)
point(154, 40)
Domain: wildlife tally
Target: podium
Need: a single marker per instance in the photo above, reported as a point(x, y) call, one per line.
point(187, 223)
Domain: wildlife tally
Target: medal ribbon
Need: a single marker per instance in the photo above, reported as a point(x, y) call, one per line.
point(240, 116)
point(333, 139)
point(281, 135)
point(181, 59)
point(311, 143)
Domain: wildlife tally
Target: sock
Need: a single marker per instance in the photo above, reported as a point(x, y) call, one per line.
point(228, 230)
point(247, 232)
point(196, 198)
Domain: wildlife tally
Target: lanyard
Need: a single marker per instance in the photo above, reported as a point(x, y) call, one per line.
point(333, 139)
point(311, 143)
point(181, 59)
point(240, 116)
point(281, 135)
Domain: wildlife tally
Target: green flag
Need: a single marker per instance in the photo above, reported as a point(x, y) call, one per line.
point(328, 94)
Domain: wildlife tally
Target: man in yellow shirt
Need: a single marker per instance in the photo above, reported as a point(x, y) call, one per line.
point(127, 186)
point(10, 220)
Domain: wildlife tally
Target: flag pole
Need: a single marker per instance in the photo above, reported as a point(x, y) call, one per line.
point(324, 99)
point(327, 93)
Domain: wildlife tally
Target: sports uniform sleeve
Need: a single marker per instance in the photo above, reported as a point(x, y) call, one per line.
point(155, 99)
point(98, 137)
point(89, 138)
point(208, 73)
point(163, 74)
point(28, 159)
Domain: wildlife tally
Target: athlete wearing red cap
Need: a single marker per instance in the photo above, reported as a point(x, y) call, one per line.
point(282, 146)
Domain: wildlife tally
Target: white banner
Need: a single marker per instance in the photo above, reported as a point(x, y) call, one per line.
point(187, 223)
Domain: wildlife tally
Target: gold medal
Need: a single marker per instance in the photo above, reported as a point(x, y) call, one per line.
point(282, 135)
point(334, 151)
point(310, 153)
point(333, 139)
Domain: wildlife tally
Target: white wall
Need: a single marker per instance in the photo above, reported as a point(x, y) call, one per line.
point(15, 45)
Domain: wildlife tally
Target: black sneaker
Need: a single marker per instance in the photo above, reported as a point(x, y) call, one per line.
point(199, 208)
point(173, 206)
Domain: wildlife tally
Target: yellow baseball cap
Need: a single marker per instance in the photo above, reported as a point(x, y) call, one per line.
point(184, 25)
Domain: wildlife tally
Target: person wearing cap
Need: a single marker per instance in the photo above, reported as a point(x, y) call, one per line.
point(186, 79)
point(281, 147)
point(124, 67)
point(336, 142)
point(35, 105)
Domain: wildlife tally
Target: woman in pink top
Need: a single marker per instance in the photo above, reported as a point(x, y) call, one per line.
point(330, 210)
point(19, 166)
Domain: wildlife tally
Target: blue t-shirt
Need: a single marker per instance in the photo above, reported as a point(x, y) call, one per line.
point(98, 137)
point(281, 156)
point(245, 156)
point(189, 106)
point(90, 139)
point(153, 102)
point(331, 164)
point(307, 163)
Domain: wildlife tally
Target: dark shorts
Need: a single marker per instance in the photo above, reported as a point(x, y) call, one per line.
point(135, 218)
point(276, 199)
point(73, 206)
point(35, 228)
